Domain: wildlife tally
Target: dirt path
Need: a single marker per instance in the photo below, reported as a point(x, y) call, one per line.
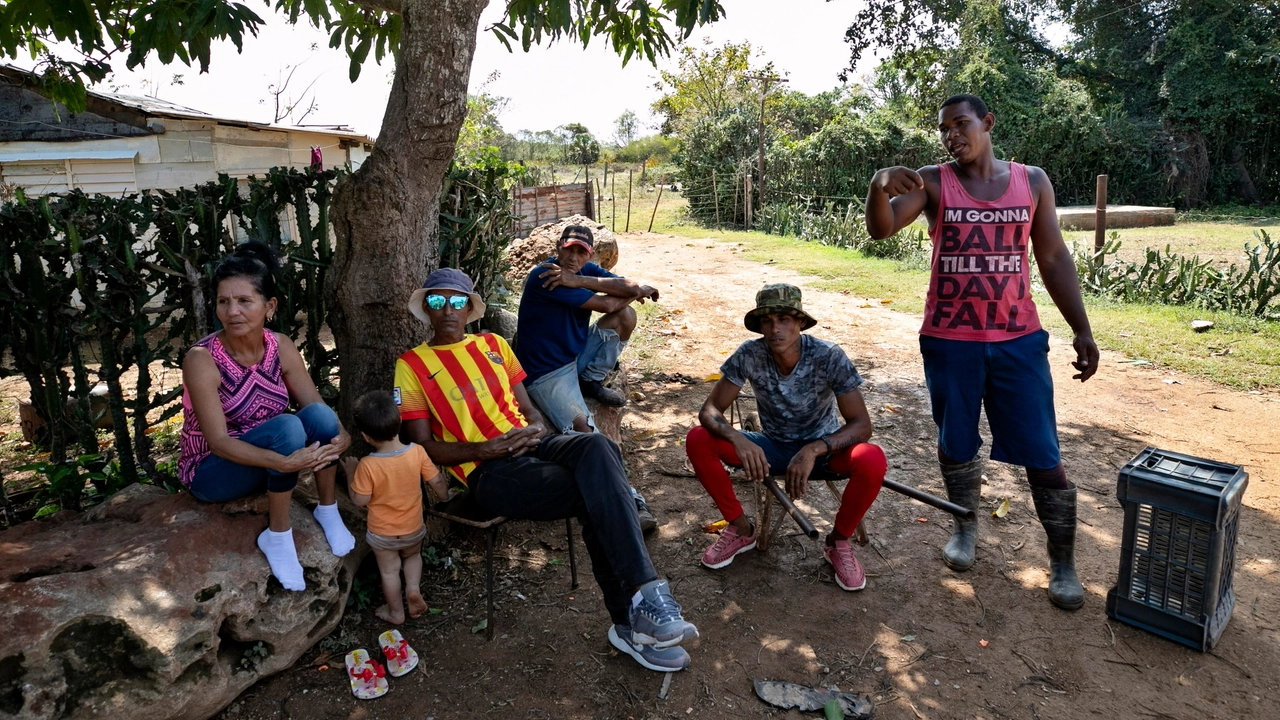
point(913, 638)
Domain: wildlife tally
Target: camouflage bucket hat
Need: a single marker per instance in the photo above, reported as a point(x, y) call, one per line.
point(777, 298)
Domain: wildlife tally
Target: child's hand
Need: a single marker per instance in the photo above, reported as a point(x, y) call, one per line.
point(349, 467)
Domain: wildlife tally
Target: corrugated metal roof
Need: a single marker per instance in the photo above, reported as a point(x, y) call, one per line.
point(155, 107)
point(39, 155)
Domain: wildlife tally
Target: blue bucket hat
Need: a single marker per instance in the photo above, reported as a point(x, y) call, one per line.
point(447, 279)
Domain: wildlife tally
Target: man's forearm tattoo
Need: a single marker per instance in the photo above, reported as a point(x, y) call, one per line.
point(836, 442)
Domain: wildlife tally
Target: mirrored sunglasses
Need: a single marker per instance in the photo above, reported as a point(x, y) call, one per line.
point(457, 302)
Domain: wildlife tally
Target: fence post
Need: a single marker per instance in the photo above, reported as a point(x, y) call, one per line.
point(747, 193)
point(629, 173)
point(1100, 219)
point(661, 184)
point(715, 196)
point(613, 221)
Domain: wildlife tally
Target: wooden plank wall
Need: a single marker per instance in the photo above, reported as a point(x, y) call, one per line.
point(550, 203)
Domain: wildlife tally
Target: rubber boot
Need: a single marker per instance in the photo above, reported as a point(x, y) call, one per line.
point(1057, 511)
point(964, 488)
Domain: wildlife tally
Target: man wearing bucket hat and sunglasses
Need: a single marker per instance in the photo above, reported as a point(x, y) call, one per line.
point(462, 397)
point(815, 424)
point(567, 356)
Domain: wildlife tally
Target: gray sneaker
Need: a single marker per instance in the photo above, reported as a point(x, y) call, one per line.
point(673, 659)
point(657, 620)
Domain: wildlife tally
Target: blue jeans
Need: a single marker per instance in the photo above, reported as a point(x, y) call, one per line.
point(557, 393)
point(221, 480)
point(778, 453)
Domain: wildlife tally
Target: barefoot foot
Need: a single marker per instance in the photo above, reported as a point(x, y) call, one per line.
point(385, 613)
point(417, 605)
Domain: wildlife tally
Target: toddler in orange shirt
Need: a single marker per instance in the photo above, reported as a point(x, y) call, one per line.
point(388, 482)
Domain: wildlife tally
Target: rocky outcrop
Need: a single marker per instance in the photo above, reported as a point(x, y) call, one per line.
point(524, 253)
point(157, 606)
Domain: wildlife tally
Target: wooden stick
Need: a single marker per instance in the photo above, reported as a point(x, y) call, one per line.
point(613, 221)
point(1100, 218)
point(803, 521)
point(748, 200)
point(715, 196)
point(661, 185)
point(629, 173)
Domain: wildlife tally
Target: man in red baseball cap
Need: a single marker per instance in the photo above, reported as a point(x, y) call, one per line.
point(567, 356)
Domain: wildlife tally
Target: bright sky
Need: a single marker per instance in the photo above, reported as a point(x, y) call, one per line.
point(547, 87)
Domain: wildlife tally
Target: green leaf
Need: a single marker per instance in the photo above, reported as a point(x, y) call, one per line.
point(833, 710)
point(483, 624)
point(46, 511)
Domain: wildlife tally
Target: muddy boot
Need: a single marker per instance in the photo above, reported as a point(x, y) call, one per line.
point(964, 488)
point(1057, 511)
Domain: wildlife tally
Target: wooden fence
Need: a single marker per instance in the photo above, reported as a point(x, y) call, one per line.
point(534, 206)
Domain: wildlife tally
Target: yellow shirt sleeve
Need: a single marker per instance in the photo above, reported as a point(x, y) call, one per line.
point(515, 372)
point(408, 394)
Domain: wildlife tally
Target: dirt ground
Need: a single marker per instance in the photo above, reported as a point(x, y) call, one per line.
point(920, 640)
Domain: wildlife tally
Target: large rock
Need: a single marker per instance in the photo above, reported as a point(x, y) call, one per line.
point(524, 253)
point(157, 606)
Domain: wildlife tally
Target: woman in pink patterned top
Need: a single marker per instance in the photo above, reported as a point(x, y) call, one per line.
point(238, 437)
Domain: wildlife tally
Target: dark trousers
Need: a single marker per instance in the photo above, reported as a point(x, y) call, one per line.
point(576, 476)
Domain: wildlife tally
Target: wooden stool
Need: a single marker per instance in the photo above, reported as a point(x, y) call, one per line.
point(461, 509)
point(767, 525)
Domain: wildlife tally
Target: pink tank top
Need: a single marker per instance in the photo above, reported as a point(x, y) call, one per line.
point(250, 396)
point(979, 284)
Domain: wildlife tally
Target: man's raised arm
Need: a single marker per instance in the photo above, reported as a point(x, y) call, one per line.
point(895, 199)
point(618, 287)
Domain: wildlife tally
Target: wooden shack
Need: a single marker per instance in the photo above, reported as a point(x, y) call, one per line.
point(123, 144)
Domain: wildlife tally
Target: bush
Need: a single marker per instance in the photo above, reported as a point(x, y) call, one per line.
point(1165, 277)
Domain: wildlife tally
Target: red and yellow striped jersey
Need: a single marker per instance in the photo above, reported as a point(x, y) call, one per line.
point(464, 389)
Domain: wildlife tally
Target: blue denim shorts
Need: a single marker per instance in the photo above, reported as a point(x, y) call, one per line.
point(559, 397)
point(1011, 380)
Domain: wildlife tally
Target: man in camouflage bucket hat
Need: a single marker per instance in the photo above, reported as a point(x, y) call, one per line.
point(814, 420)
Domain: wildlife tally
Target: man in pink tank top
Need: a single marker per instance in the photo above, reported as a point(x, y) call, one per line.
point(981, 339)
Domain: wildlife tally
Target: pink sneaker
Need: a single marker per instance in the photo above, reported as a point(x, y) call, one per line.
point(848, 571)
point(729, 544)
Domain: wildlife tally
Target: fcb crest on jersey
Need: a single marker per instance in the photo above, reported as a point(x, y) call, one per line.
point(495, 357)
point(395, 395)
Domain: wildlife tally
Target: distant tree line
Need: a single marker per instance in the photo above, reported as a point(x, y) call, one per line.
point(1177, 101)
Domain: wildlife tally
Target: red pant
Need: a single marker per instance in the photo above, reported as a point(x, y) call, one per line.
point(863, 463)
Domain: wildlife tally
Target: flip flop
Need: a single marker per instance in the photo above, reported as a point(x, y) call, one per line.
point(401, 658)
point(368, 678)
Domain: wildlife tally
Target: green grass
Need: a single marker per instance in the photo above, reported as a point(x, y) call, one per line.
point(1162, 334)
point(1222, 241)
point(1159, 334)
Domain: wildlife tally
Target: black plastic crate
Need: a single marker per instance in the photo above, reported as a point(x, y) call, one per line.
point(1176, 559)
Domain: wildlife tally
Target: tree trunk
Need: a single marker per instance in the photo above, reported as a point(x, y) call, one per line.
point(386, 214)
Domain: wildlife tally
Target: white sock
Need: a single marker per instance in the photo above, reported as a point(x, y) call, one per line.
point(341, 541)
point(282, 556)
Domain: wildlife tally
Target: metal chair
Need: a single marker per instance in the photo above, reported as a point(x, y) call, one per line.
point(461, 509)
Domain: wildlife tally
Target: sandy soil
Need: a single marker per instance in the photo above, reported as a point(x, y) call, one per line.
point(921, 640)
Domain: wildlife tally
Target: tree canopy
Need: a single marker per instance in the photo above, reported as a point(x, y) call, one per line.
point(74, 41)
point(1192, 85)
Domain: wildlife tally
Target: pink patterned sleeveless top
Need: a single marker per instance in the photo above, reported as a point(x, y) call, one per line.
point(250, 396)
point(979, 284)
